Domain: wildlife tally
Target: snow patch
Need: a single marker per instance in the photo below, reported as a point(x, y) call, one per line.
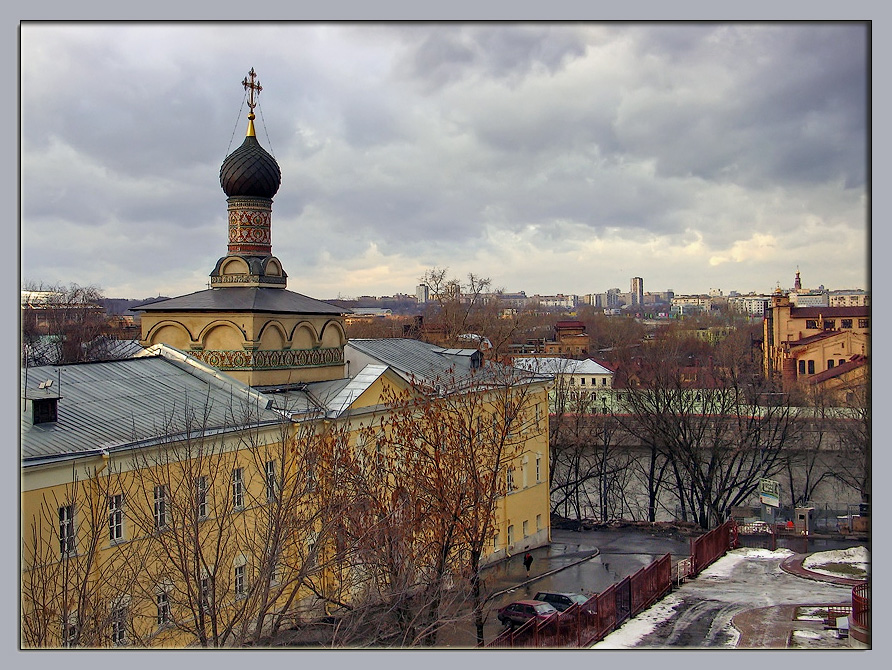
point(724, 566)
point(807, 634)
point(852, 555)
point(823, 562)
point(635, 629)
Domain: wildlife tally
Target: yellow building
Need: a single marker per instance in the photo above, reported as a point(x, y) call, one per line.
point(799, 342)
point(243, 472)
point(164, 503)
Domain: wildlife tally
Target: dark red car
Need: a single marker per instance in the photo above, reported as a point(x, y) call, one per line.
point(520, 612)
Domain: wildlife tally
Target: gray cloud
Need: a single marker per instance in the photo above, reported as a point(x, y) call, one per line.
point(410, 144)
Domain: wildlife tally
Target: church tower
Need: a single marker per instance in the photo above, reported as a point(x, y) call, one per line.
point(247, 323)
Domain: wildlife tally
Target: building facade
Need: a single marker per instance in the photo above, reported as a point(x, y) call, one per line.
point(799, 342)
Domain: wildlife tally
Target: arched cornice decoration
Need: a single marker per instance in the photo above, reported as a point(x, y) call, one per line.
point(272, 267)
point(338, 326)
point(307, 325)
point(165, 323)
point(234, 263)
point(276, 325)
point(202, 336)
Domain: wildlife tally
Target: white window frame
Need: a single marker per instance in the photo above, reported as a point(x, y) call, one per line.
point(116, 518)
point(272, 483)
point(70, 630)
point(67, 531)
point(538, 522)
point(238, 488)
point(204, 593)
point(526, 527)
point(239, 580)
point(159, 506)
point(509, 479)
point(510, 534)
point(201, 496)
point(119, 625)
point(162, 605)
point(538, 467)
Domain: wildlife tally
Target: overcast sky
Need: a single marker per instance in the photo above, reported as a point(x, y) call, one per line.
point(550, 157)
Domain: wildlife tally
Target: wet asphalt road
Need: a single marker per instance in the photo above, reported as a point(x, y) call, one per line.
point(619, 553)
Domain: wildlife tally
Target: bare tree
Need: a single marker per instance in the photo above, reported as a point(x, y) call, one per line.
point(716, 443)
point(73, 318)
point(71, 590)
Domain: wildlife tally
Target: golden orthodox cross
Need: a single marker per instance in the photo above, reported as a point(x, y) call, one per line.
point(250, 86)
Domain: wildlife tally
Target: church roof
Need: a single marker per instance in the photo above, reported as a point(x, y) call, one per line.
point(243, 299)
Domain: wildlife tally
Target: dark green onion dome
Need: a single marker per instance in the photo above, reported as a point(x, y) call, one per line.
point(250, 171)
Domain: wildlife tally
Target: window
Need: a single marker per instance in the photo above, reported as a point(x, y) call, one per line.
point(538, 522)
point(271, 481)
point(238, 490)
point(495, 541)
point(538, 467)
point(829, 324)
point(116, 518)
point(802, 367)
point(201, 496)
point(45, 410)
point(205, 593)
point(311, 479)
point(162, 603)
point(239, 581)
point(510, 535)
point(842, 360)
point(603, 381)
point(526, 527)
point(582, 381)
point(830, 363)
point(863, 323)
point(845, 323)
point(523, 471)
point(66, 530)
point(572, 381)
point(119, 625)
point(70, 630)
point(509, 479)
point(811, 324)
point(160, 508)
point(811, 367)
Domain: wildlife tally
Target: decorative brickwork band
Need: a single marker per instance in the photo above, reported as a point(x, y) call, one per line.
point(240, 359)
point(250, 226)
point(247, 280)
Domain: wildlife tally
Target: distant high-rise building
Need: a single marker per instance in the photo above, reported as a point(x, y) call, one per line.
point(422, 293)
point(637, 292)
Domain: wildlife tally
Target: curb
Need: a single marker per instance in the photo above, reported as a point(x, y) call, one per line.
point(548, 573)
point(793, 566)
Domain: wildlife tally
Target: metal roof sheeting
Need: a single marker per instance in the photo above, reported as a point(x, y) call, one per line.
point(243, 299)
point(115, 404)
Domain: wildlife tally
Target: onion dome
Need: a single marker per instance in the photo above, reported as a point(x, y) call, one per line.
point(250, 170)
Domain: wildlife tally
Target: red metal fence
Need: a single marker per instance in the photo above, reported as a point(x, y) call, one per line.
point(859, 626)
point(580, 626)
point(706, 548)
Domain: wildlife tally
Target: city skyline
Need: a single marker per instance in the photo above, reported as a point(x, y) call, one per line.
point(696, 156)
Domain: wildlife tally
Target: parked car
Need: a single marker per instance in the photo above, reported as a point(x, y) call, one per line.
point(562, 601)
point(520, 612)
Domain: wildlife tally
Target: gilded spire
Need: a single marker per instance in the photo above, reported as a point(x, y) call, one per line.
point(252, 87)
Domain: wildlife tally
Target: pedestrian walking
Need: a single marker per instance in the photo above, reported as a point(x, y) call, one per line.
point(527, 562)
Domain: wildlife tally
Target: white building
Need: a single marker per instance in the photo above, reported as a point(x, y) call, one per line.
point(849, 298)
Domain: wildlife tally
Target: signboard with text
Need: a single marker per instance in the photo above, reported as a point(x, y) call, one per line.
point(769, 492)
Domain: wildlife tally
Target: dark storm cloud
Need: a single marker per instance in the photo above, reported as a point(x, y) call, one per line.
point(508, 149)
point(501, 52)
point(777, 104)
